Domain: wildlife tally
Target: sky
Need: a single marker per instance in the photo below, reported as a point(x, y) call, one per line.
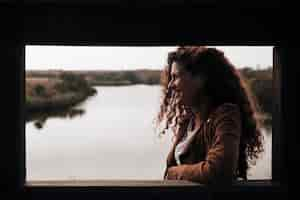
point(130, 58)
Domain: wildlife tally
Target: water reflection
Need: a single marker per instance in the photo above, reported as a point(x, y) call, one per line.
point(40, 118)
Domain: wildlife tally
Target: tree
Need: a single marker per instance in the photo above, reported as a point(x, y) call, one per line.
point(40, 90)
point(73, 82)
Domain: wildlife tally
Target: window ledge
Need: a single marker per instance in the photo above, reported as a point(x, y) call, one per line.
point(111, 183)
point(141, 183)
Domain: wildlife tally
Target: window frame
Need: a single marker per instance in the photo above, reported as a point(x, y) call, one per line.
point(276, 150)
point(44, 31)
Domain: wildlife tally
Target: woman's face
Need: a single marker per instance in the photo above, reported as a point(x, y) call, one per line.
point(189, 86)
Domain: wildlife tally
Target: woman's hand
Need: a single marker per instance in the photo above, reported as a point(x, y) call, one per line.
point(176, 173)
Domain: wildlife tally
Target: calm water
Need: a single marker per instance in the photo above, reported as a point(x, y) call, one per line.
point(109, 136)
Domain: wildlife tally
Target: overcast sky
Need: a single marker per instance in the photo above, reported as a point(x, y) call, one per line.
point(116, 58)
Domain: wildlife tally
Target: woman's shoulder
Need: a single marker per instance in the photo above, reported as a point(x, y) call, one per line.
point(227, 107)
point(226, 111)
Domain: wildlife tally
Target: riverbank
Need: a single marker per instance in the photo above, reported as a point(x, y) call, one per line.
point(259, 81)
point(110, 83)
point(37, 104)
point(49, 94)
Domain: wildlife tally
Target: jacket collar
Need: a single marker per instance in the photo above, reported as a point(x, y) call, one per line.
point(171, 158)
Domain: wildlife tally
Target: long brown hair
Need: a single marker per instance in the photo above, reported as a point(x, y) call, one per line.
point(224, 84)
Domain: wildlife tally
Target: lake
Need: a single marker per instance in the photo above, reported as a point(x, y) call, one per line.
point(112, 137)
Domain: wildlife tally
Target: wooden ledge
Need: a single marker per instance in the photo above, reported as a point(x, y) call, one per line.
point(111, 183)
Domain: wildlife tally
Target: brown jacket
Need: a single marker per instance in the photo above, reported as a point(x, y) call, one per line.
point(212, 155)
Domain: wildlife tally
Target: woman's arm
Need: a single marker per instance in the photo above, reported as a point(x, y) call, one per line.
point(222, 158)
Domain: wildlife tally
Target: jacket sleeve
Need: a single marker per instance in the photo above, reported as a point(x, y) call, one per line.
point(222, 157)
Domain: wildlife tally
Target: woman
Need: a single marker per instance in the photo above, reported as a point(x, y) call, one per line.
point(212, 115)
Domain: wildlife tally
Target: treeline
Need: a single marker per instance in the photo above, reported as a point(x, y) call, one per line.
point(44, 93)
point(260, 81)
point(148, 77)
point(261, 84)
point(105, 77)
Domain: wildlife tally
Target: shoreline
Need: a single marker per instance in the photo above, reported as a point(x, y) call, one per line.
point(58, 102)
point(63, 102)
point(125, 83)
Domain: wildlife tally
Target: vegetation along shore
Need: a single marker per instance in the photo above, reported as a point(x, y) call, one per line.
point(56, 89)
point(55, 93)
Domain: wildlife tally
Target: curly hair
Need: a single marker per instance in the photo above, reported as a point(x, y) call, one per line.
point(224, 84)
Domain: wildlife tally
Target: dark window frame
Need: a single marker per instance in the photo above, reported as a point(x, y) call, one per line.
point(52, 24)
